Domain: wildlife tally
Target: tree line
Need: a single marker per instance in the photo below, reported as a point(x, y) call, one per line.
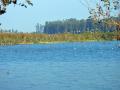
point(75, 26)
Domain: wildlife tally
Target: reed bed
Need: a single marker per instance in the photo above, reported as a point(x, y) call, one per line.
point(29, 38)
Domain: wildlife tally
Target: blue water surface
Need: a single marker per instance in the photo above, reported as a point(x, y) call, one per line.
point(62, 66)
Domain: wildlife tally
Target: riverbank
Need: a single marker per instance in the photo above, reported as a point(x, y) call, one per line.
point(28, 38)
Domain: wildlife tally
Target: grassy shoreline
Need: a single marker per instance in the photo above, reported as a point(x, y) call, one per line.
point(17, 39)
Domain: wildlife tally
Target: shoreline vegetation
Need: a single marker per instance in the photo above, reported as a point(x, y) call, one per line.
point(30, 38)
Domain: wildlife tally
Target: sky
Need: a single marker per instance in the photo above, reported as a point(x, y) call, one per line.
point(25, 19)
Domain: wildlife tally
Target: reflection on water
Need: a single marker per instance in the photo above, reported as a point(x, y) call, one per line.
point(66, 66)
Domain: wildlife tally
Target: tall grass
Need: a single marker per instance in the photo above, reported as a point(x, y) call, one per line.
point(12, 38)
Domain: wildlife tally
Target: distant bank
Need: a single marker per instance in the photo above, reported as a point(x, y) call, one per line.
point(23, 38)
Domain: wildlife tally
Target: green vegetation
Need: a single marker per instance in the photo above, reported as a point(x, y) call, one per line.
point(17, 38)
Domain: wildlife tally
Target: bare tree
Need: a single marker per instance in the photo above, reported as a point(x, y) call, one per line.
point(105, 9)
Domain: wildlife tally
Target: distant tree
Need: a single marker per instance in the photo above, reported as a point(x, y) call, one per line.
point(78, 26)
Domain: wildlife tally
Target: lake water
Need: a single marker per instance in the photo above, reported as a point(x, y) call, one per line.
point(64, 66)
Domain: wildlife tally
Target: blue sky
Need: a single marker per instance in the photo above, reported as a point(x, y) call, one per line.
point(25, 20)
